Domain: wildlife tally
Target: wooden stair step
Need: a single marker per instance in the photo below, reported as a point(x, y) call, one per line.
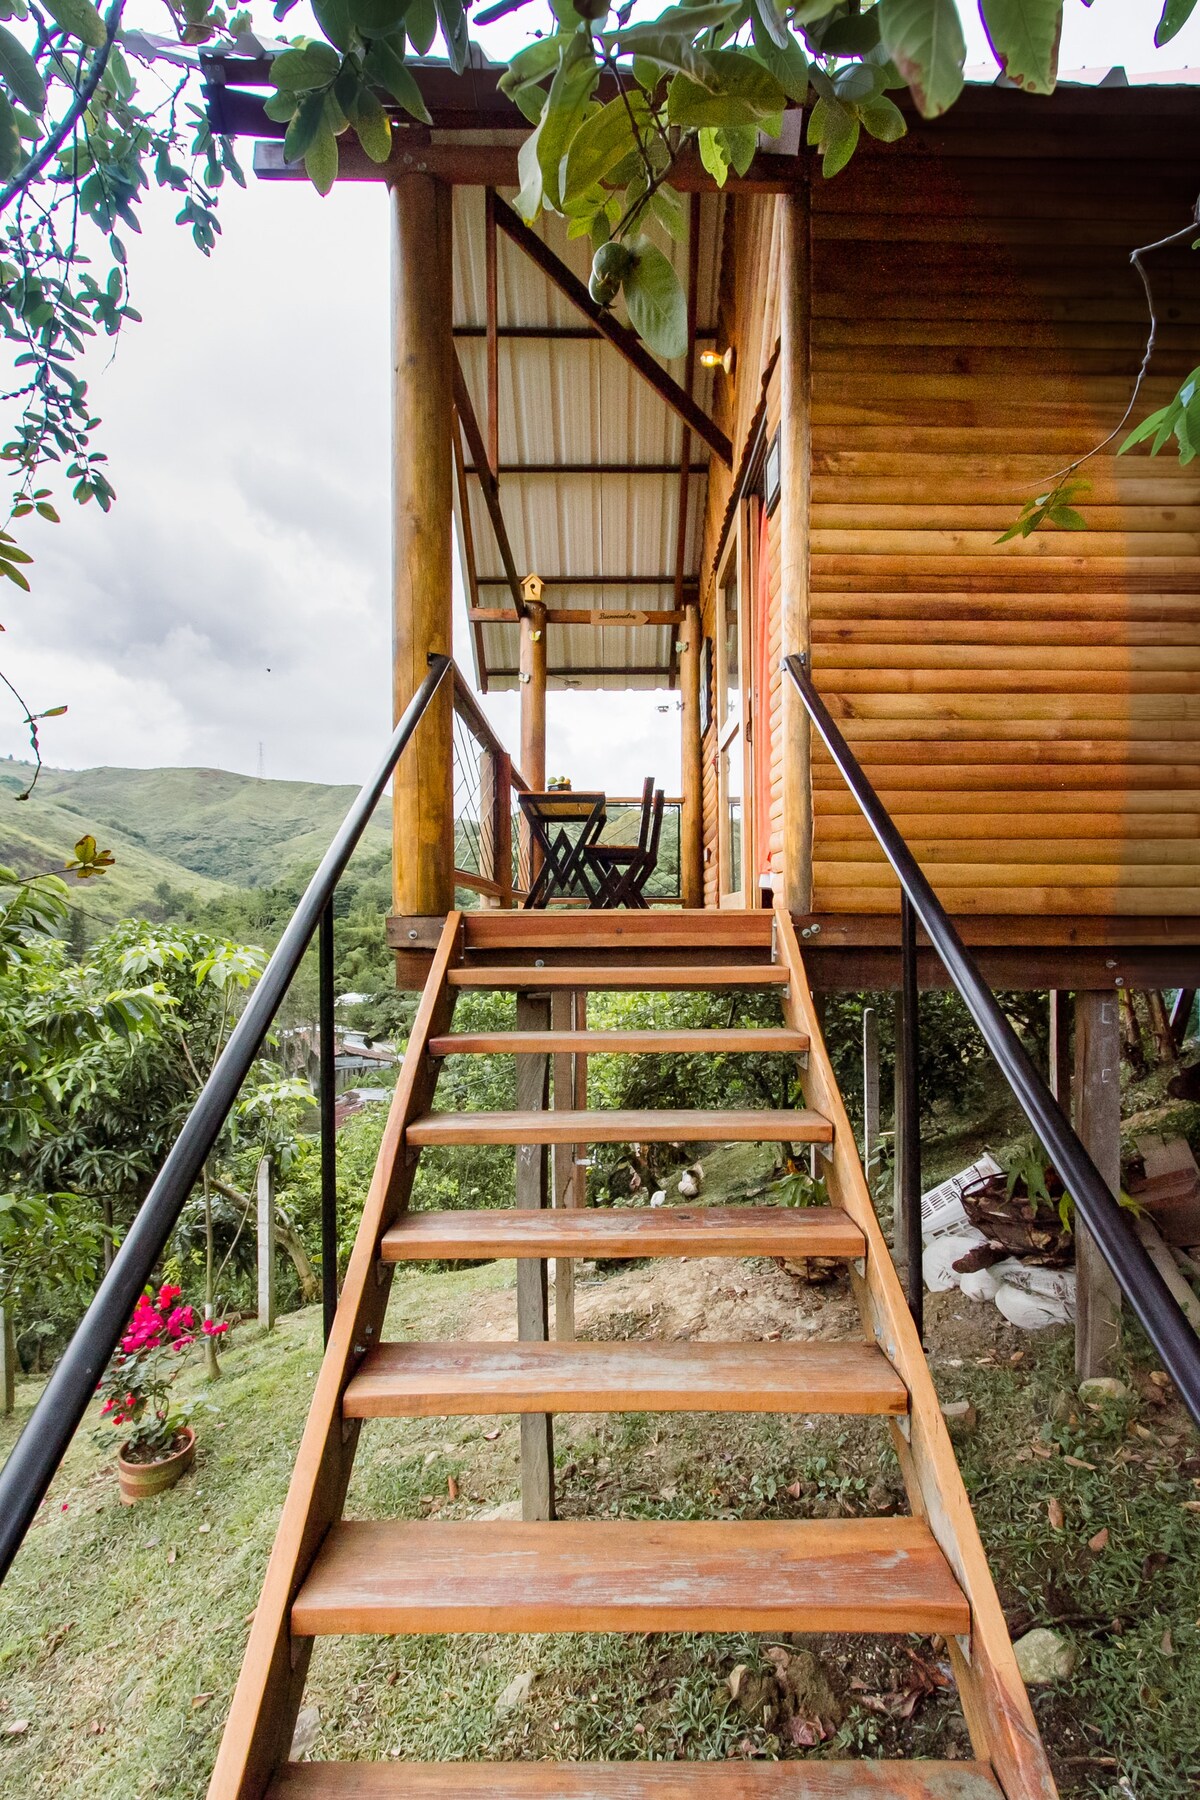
point(624, 1231)
point(656, 978)
point(544, 928)
point(673, 1126)
point(428, 1380)
point(807, 1780)
point(619, 1043)
point(400, 1576)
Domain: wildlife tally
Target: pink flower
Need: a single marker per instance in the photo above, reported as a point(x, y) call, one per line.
point(212, 1329)
point(167, 1296)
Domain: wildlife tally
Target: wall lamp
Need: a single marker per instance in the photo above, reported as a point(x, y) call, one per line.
point(719, 359)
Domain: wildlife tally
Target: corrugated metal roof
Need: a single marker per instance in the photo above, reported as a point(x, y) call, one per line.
point(575, 400)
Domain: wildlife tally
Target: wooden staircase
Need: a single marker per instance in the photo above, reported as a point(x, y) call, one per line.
point(922, 1573)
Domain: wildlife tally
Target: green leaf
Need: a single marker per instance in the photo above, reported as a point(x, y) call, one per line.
point(787, 63)
point(378, 18)
point(712, 153)
point(11, 153)
point(333, 16)
point(739, 143)
point(308, 64)
point(453, 20)
point(385, 65)
point(769, 26)
point(574, 80)
point(602, 141)
point(1024, 34)
point(21, 72)
point(747, 93)
point(371, 127)
point(321, 160)
point(883, 119)
point(529, 199)
point(421, 23)
point(80, 18)
point(924, 39)
point(308, 119)
point(655, 299)
point(841, 149)
point(667, 207)
point(1175, 15)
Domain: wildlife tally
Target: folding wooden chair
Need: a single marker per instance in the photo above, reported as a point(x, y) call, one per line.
point(622, 870)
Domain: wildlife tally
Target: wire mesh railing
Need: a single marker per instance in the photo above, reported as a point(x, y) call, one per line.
point(487, 857)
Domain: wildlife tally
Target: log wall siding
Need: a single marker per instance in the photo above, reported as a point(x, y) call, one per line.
point(975, 328)
point(1029, 712)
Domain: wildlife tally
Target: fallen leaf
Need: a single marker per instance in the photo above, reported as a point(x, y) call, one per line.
point(1157, 1559)
point(1077, 1462)
point(1167, 1646)
point(1160, 1378)
point(170, 1556)
point(793, 1490)
point(489, 1437)
point(205, 1528)
point(735, 1679)
point(249, 1618)
point(452, 1487)
point(1045, 1451)
point(17, 1729)
point(1054, 1513)
point(199, 1700)
point(1018, 1356)
point(1100, 1541)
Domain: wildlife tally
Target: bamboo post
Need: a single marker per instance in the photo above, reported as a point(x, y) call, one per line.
point(537, 1429)
point(870, 1029)
point(691, 815)
point(1098, 1122)
point(8, 1360)
point(422, 473)
point(795, 479)
point(266, 1243)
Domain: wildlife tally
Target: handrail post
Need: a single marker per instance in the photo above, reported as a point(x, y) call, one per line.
point(328, 1078)
point(908, 1120)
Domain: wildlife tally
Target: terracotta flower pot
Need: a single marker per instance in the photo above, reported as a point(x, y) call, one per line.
point(141, 1480)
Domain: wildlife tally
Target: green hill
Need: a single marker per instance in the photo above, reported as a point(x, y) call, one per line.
point(202, 831)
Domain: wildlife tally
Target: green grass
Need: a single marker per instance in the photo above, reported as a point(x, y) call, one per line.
point(121, 1629)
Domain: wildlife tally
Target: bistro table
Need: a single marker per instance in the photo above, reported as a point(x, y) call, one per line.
point(563, 824)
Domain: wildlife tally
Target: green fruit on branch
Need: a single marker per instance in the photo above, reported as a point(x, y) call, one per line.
point(591, 10)
point(610, 265)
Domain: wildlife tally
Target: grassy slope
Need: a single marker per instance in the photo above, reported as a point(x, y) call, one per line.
point(230, 827)
point(121, 1629)
point(41, 833)
point(200, 830)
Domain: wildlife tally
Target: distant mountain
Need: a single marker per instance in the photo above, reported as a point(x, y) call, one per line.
point(200, 830)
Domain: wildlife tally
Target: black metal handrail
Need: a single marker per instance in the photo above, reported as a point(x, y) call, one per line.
point(1152, 1302)
point(38, 1451)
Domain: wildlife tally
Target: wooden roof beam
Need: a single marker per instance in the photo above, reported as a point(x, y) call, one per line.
point(488, 483)
point(620, 336)
point(695, 471)
point(565, 615)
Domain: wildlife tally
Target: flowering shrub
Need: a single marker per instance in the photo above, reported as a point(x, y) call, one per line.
point(136, 1387)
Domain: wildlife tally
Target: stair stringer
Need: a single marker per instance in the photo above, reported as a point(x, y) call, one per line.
point(262, 1718)
point(995, 1703)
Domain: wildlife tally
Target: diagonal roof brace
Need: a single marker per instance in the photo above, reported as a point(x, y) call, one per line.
point(619, 335)
point(465, 409)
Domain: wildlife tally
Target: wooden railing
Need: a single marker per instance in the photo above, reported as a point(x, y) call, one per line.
point(487, 851)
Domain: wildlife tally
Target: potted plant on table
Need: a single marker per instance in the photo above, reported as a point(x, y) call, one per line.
point(137, 1397)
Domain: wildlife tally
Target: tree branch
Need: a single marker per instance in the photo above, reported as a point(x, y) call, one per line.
point(70, 119)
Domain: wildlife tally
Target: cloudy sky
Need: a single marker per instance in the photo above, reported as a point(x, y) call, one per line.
point(237, 595)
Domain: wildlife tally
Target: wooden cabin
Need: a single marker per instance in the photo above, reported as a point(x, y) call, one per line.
point(904, 355)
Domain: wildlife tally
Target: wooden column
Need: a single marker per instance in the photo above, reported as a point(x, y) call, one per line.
point(537, 1429)
point(795, 482)
point(422, 474)
point(533, 696)
point(1098, 1122)
point(266, 1242)
point(691, 817)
